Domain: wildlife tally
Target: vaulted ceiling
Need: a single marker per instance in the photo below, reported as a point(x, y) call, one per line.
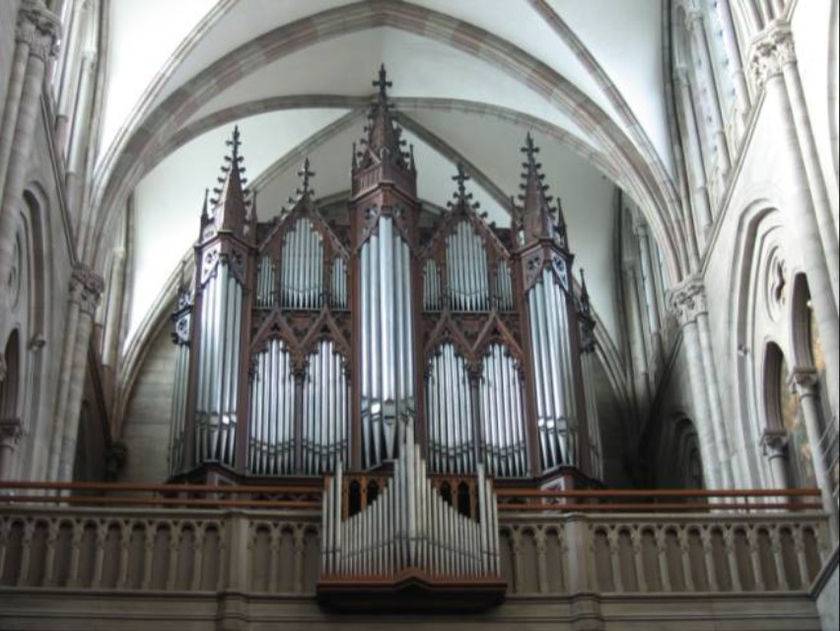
point(470, 78)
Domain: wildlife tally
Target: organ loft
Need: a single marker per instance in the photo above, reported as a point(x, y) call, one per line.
point(383, 340)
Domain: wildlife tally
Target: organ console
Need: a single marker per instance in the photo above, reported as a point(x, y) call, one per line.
point(314, 343)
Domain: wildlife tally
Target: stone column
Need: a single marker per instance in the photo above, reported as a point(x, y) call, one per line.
point(736, 69)
point(36, 37)
point(115, 307)
point(769, 55)
point(637, 337)
point(774, 445)
point(85, 288)
point(700, 47)
point(694, 157)
point(649, 286)
point(803, 381)
point(80, 137)
point(67, 93)
point(688, 302)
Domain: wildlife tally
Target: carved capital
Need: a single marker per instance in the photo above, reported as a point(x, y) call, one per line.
point(10, 432)
point(688, 300)
point(693, 20)
point(39, 28)
point(774, 443)
point(770, 53)
point(86, 287)
point(803, 380)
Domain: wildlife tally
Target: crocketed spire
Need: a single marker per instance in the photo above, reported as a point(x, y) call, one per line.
point(228, 209)
point(305, 191)
point(383, 141)
point(537, 216)
point(462, 198)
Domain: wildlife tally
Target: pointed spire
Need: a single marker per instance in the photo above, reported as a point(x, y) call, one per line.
point(537, 214)
point(305, 174)
point(205, 215)
point(383, 140)
point(462, 198)
point(229, 202)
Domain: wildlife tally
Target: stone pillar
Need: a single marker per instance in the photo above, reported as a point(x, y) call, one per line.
point(649, 286)
point(703, 60)
point(774, 446)
point(80, 137)
point(804, 382)
point(736, 69)
point(67, 93)
point(637, 341)
point(694, 157)
point(113, 317)
point(36, 36)
point(85, 288)
point(769, 56)
point(688, 302)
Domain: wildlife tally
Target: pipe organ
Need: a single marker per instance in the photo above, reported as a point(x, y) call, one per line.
point(306, 342)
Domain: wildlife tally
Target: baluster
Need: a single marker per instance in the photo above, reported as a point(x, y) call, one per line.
point(76, 553)
point(729, 540)
point(174, 550)
point(49, 561)
point(615, 562)
point(663, 560)
point(198, 556)
point(298, 548)
point(516, 560)
point(125, 548)
point(148, 553)
point(26, 551)
point(709, 558)
point(686, 559)
point(776, 548)
point(542, 569)
point(99, 552)
point(274, 561)
point(5, 531)
point(755, 559)
point(638, 559)
point(799, 546)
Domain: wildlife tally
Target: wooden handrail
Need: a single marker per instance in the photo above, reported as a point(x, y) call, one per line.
point(654, 493)
point(129, 487)
point(660, 507)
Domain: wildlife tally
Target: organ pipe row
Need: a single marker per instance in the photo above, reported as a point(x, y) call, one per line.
point(271, 445)
point(409, 526)
point(339, 283)
point(431, 286)
point(504, 286)
point(325, 411)
point(302, 274)
point(553, 372)
point(449, 413)
point(179, 407)
point(466, 266)
point(218, 367)
point(265, 283)
point(503, 430)
point(387, 355)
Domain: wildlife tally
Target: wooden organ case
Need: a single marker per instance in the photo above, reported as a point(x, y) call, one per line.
point(430, 350)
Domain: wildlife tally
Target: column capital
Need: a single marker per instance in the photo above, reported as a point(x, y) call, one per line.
point(86, 287)
point(10, 431)
point(770, 52)
point(803, 380)
point(693, 19)
point(774, 443)
point(39, 27)
point(687, 300)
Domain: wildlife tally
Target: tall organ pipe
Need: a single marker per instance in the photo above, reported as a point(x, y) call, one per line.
point(271, 445)
point(553, 372)
point(504, 286)
point(387, 345)
point(466, 266)
point(431, 286)
point(265, 283)
point(302, 274)
point(500, 397)
point(325, 415)
point(449, 413)
point(179, 408)
point(339, 283)
point(218, 370)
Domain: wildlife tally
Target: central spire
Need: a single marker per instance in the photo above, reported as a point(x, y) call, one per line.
point(383, 142)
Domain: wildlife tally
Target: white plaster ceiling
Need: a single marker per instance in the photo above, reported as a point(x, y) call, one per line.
point(623, 38)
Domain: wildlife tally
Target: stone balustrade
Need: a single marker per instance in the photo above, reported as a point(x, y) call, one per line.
point(278, 552)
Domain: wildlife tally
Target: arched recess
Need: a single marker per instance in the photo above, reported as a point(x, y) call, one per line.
point(126, 162)
point(10, 380)
point(676, 458)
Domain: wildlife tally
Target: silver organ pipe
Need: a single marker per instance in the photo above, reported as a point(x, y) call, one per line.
point(302, 273)
point(431, 286)
point(466, 266)
point(179, 408)
point(449, 413)
point(325, 411)
point(271, 447)
point(218, 372)
point(409, 526)
point(504, 286)
point(553, 376)
point(387, 346)
point(265, 283)
point(339, 283)
point(587, 360)
point(502, 418)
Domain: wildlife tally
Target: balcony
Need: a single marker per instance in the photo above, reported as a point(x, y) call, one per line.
point(191, 556)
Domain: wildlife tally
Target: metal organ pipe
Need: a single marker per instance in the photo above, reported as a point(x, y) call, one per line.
point(409, 525)
point(218, 376)
point(325, 411)
point(449, 413)
point(339, 283)
point(500, 398)
point(504, 286)
point(467, 270)
point(265, 283)
point(302, 273)
point(271, 446)
point(553, 376)
point(431, 286)
point(179, 408)
point(387, 346)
